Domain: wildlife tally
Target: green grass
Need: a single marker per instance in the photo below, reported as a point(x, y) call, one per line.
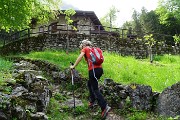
point(60, 58)
point(5, 67)
point(164, 71)
point(158, 75)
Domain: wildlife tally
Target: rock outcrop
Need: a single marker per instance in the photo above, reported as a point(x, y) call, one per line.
point(168, 102)
point(30, 94)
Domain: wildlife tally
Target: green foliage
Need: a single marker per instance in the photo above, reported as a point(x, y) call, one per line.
point(8, 89)
point(168, 10)
point(175, 118)
point(176, 38)
point(137, 115)
point(5, 67)
point(158, 75)
point(167, 59)
point(58, 112)
point(110, 18)
point(60, 58)
point(17, 14)
point(136, 24)
point(163, 22)
point(169, 17)
point(162, 73)
point(81, 110)
point(54, 111)
point(59, 97)
point(68, 14)
point(150, 40)
point(150, 22)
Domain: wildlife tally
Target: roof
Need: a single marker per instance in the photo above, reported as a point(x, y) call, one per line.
point(91, 15)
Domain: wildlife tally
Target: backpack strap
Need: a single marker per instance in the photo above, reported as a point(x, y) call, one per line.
point(92, 66)
point(94, 72)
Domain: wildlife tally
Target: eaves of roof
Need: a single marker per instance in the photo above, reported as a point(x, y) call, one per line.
point(91, 15)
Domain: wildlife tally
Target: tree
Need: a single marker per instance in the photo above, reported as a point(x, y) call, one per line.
point(150, 24)
point(150, 42)
point(109, 19)
point(143, 20)
point(169, 10)
point(127, 29)
point(18, 14)
point(169, 16)
point(137, 27)
point(176, 39)
point(127, 25)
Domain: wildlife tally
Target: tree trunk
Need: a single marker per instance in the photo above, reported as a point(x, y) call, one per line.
point(150, 54)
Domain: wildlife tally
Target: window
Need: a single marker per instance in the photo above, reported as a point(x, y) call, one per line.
point(41, 29)
point(54, 27)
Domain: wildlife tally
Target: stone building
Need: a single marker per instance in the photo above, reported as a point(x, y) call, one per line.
point(86, 22)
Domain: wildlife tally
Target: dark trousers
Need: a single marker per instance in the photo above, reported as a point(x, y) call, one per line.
point(93, 87)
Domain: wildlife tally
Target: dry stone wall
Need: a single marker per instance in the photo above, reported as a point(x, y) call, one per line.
point(70, 42)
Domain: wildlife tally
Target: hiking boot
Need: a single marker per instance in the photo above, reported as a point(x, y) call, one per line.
point(105, 112)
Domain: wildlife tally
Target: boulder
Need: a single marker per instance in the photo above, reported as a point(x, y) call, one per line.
point(140, 96)
point(168, 102)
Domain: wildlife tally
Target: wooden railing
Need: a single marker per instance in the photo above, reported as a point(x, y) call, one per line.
point(58, 29)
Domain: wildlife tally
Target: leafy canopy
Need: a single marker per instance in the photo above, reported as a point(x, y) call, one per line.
point(169, 11)
point(176, 38)
point(109, 19)
point(150, 40)
point(17, 14)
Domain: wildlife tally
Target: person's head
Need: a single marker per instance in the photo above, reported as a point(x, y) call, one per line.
point(85, 43)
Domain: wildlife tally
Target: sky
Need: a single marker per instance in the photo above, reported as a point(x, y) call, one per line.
point(101, 7)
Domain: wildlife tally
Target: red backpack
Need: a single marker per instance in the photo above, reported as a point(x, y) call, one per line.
point(96, 56)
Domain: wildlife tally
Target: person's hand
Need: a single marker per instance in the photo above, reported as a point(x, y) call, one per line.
point(72, 67)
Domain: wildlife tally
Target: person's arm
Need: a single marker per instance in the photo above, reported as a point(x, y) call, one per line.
point(77, 60)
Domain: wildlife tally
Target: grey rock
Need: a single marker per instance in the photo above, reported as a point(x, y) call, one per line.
point(3, 116)
point(168, 102)
point(70, 103)
point(140, 96)
point(19, 112)
point(38, 116)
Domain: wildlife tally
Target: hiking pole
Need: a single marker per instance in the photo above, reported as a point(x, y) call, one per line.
point(72, 76)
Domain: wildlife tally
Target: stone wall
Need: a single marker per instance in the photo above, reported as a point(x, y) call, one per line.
point(125, 47)
point(23, 46)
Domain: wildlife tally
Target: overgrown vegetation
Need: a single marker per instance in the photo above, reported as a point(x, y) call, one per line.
point(162, 73)
point(5, 75)
point(1, 42)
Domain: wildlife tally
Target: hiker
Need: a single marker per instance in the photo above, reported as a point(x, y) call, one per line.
point(95, 72)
